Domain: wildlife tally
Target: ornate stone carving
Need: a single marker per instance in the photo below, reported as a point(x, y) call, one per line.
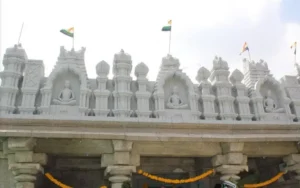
point(66, 96)
point(175, 101)
point(222, 88)
point(207, 99)
point(270, 105)
point(64, 54)
point(170, 63)
point(14, 61)
point(220, 64)
point(121, 69)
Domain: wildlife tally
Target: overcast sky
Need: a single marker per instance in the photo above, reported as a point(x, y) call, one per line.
point(201, 30)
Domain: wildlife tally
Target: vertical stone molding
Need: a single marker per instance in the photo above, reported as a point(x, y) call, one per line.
point(241, 93)
point(33, 74)
point(232, 162)
point(207, 98)
point(101, 93)
point(222, 88)
point(24, 163)
point(6, 177)
point(293, 164)
point(142, 95)
point(122, 67)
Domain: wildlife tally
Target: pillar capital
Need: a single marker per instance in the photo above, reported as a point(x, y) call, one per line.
point(122, 145)
point(120, 170)
point(231, 162)
point(119, 174)
point(232, 147)
point(21, 144)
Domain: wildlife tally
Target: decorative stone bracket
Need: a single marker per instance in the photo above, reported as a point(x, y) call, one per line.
point(123, 155)
point(232, 162)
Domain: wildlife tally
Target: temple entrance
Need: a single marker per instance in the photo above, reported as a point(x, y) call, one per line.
point(139, 181)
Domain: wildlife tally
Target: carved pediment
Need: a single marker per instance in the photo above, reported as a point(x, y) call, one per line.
point(64, 54)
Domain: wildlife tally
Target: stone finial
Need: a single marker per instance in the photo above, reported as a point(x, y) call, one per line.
point(141, 70)
point(122, 57)
point(236, 76)
point(102, 68)
point(170, 63)
point(16, 51)
point(220, 64)
point(203, 74)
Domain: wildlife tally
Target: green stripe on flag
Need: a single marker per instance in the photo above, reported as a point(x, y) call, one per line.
point(166, 28)
point(67, 33)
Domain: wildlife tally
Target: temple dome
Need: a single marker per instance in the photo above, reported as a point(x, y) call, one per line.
point(141, 69)
point(102, 68)
point(203, 74)
point(236, 76)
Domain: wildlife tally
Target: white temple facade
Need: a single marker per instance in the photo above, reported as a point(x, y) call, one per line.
point(234, 120)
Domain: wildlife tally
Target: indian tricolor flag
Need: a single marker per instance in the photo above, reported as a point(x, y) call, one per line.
point(167, 27)
point(69, 32)
point(245, 48)
point(294, 46)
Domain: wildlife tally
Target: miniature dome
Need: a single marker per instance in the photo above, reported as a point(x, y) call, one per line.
point(16, 51)
point(102, 68)
point(122, 57)
point(141, 70)
point(236, 76)
point(203, 74)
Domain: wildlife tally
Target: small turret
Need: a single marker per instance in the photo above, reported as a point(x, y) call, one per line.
point(14, 63)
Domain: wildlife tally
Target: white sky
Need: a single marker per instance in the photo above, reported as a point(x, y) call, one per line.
point(201, 30)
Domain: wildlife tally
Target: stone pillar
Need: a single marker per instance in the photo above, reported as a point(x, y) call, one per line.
point(207, 98)
point(293, 163)
point(24, 164)
point(142, 95)
point(120, 164)
point(6, 177)
point(231, 162)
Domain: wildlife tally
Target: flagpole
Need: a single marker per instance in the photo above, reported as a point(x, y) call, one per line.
point(73, 39)
point(249, 55)
point(170, 40)
point(20, 33)
point(295, 53)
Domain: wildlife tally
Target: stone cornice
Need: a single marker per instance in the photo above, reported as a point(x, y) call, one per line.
point(154, 130)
